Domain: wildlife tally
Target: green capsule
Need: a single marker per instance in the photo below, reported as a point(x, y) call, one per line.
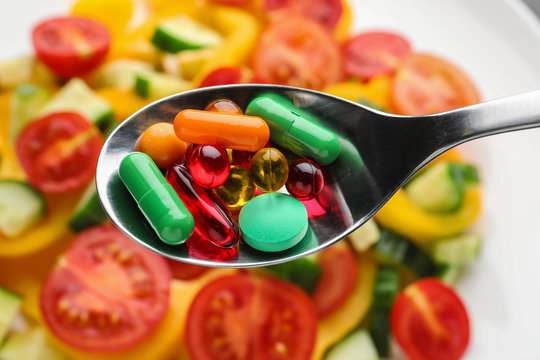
point(158, 201)
point(290, 129)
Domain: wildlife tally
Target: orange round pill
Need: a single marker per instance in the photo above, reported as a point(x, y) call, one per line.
point(162, 145)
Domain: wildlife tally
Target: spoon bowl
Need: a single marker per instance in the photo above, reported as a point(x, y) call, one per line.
point(379, 153)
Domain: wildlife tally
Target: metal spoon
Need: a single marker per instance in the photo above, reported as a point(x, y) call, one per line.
point(379, 153)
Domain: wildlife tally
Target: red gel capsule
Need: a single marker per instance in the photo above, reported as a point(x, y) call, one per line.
point(200, 248)
point(209, 165)
point(305, 179)
point(242, 158)
point(212, 220)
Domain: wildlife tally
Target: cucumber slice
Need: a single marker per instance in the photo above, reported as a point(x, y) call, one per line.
point(10, 303)
point(183, 33)
point(154, 85)
point(355, 346)
point(21, 206)
point(303, 272)
point(393, 249)
point(385, 291)
point(25, 103)
point(119, 73)
point(386, 287)
point(469, 173)
point(16, 71)
point(380, 331)
point(28, 345)
point(439, 188)
point(365, 236)
point(88, 212)
point(450, 274)
point(77, 97)
point(458, 250)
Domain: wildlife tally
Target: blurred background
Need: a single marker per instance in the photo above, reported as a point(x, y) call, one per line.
point(50, 311)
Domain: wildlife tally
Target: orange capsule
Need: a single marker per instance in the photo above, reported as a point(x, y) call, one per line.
point(238, 132)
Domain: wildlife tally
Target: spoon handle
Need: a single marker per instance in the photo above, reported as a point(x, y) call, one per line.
point(507, 114)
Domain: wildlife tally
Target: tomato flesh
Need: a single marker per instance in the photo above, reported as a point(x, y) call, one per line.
point(426, 84)
point(338, 280)
point(59, 152)
point(240, 317)
point(430, 322)
point(374, 53)
point(299, 52)
point(71, 45)
point(106, 294)
point(325, 12)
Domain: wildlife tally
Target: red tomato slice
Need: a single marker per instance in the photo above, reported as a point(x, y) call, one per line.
point(325, 12)
point(426, 84)
point(239, 317)
point(59, 152)
point(71, 45)
point(184, 271)
point(299, 52)
point(338, 279)
point(106, 294)
point(223, 76)
point(374, 53)
point(430, 322)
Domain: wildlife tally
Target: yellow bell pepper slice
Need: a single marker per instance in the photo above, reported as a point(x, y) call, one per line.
point(124, 102)
point(36, 266)
point(241, 32)
point(166, 341)
point(114, 14)
point(136, 43)
point(403, 216)
point(377, 91)
point(341, 31)
point(333, 328)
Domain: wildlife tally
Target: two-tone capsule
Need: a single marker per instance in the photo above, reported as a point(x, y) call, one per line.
point(294, 131)
point(156, 198)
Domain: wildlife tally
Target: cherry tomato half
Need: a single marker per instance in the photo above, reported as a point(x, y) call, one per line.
point(325, 12)
point(430, 322)
point(223, 76)
point(374, 53)
point(426, 84)
point(240, 317)
point(299, 52)
point(184, 271)
point(338, 279)
point(71, 45)
point(106, 294)
point(59, 152)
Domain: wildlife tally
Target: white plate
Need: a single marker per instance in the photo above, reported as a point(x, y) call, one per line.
point(498, 43)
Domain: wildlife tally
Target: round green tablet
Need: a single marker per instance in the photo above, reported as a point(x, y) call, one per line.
point(273, 222)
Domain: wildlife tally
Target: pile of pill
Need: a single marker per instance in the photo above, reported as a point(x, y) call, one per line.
point(190, 176)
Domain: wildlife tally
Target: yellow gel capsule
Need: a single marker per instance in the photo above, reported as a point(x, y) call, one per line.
point(269, 169)
point(237, 190)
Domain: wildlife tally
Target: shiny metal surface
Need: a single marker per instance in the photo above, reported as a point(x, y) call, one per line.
point(379, 153)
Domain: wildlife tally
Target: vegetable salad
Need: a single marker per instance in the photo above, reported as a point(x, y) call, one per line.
point(72, 286)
